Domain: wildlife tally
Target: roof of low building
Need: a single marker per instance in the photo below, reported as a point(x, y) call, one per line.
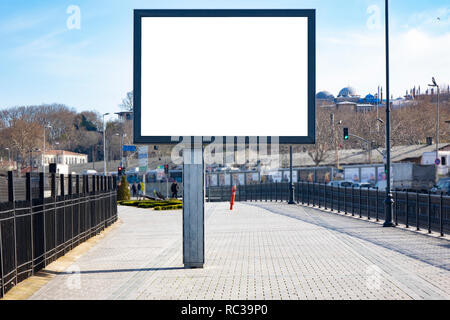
point(63, 152)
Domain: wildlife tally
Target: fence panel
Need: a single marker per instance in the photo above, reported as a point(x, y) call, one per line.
point(42, 217)
point(423, 211)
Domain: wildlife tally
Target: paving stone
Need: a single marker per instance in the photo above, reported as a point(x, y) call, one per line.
point(258, 251)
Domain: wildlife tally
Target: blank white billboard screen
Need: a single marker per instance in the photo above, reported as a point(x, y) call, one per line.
point(224, 76)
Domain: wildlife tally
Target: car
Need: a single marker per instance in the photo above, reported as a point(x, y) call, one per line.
point(442, 187)
point(342, 184)
point(362, 185)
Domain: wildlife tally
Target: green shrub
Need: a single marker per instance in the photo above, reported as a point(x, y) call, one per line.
point(123, 193)
point(152, 204)
point(170, 207)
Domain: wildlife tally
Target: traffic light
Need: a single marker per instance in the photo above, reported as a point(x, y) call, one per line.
point(119, 171)
point(166, 169)
point(346, 136)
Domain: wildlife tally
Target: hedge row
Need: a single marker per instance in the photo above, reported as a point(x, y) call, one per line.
point(173, 207)
point(152, 204)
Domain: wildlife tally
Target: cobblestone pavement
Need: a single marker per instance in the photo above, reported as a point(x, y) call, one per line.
point(259, 251)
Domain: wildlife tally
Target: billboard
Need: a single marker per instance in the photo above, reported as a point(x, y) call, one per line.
point(224, 73)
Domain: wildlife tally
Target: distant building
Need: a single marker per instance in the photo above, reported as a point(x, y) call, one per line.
point(348, 94)
point(348, 99)
point(61, 157)
point(325, 96)
point(125, 115)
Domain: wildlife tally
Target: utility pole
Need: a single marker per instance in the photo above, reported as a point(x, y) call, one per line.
point(388, 202)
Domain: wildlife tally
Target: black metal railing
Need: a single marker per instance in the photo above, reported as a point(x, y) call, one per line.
point(422, 211)
point(42, 217)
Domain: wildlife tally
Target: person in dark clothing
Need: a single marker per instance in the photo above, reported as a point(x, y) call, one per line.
point(134, 189)
point(174, 189)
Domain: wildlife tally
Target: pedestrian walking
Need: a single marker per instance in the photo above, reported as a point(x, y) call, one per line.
point(134, 189)
point(174, 189)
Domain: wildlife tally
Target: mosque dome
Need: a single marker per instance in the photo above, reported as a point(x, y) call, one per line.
point(347, 92)
point(324, 95)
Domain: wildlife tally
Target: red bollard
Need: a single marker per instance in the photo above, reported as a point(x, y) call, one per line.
point(233, 197)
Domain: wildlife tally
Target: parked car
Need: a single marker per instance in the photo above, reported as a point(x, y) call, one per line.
point(362, 185)
point(443, 186)
point(342, 184)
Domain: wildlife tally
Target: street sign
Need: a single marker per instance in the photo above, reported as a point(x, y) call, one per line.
point(129, 148)
point(251, 71)
point(143, 158)
point(437, 162)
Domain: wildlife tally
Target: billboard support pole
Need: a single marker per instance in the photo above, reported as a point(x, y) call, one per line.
point(193, 207)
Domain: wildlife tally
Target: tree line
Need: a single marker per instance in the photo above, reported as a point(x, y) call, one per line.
point(22, 131)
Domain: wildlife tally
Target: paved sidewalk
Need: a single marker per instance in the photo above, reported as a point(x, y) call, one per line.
point(259, 251)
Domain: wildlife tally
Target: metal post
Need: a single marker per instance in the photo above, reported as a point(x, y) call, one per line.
point(417, 211)
point(291, 183)
point(429, 212)
point(407, 211)
point(368, 204)
point(338, 203)
point(353, 203)
point(396, 208)
point(325, 195)
point(360, 213)
point(376, 204)
point(345, 200)
point(307, 192)
point(332, 191)
point(193, 208)
point(29, 197)
point(388, 201)
point(12, 201)
point(441, 227)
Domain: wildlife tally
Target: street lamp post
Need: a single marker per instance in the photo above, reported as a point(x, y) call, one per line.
point(437, 117)
point(388, 202)
point(104, 144)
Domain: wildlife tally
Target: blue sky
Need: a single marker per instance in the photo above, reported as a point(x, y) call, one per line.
point(43, 61)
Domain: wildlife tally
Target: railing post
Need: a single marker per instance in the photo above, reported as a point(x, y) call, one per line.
point(345, 200)
point(307, 192)
point(429, 212)
point(353, 202)
point(325, 195)
point(42, 202)
point(29, 197)
point(417, 211)
point(396, 207)
point(12, 201)
point(331, 197)
point(360, 213)
point(338, 202)
point(441, 227)
point(407, 211)
point(368, 204)
point(376, 207)
point(318, 193)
